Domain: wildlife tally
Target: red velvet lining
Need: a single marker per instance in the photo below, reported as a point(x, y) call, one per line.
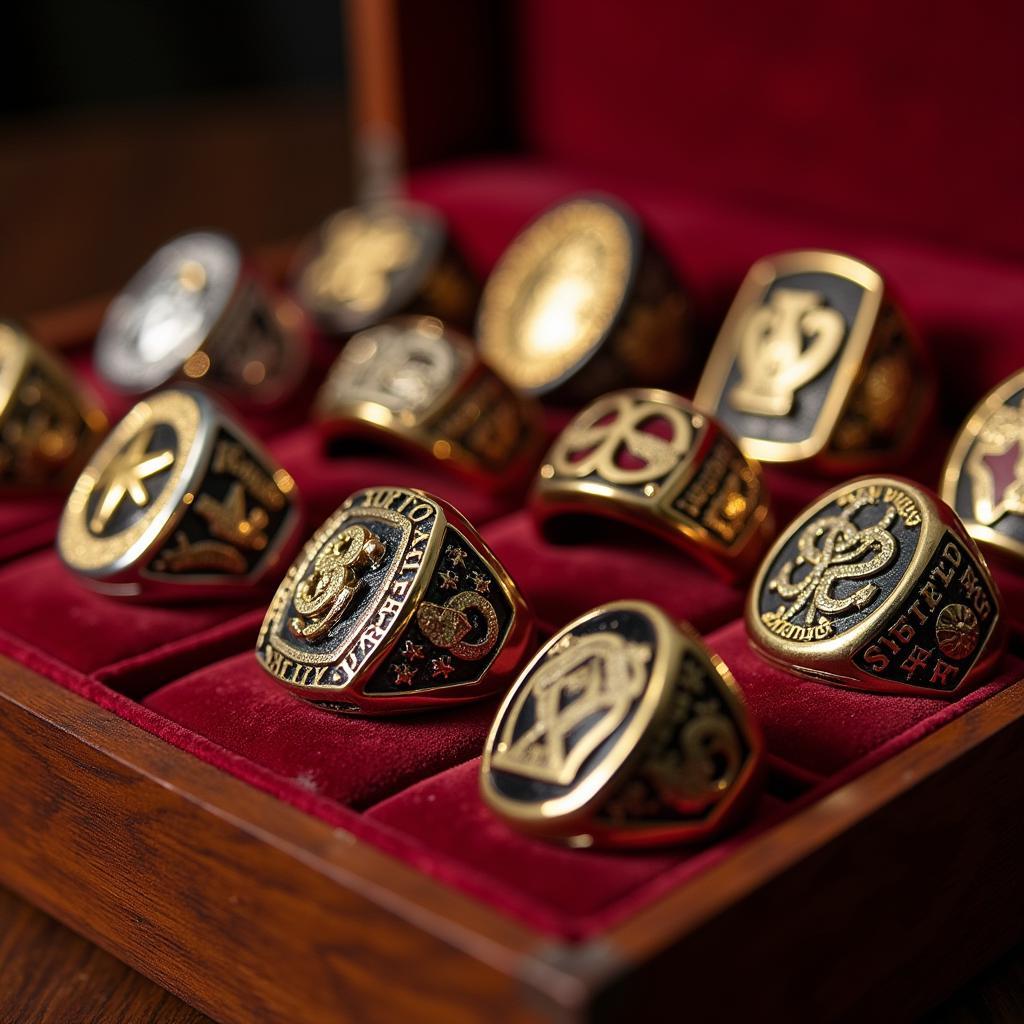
point(202, 691)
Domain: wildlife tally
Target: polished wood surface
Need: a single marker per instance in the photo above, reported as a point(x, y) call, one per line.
point(49, 975)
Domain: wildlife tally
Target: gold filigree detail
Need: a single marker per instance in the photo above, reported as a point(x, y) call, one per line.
point(229, 521)
point(592, 679)
point(323, 597)
point(448, 625)
point(597, 440)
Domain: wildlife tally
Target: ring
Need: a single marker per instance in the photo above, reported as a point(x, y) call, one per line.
point(178, 501)
point(877, 586)
point(623, 730)
point(650, 459)
point(421, 386)
point(815, 362)
point(196, 312)
point(382, 259)
point(395, 604)
point(581, 302)
point(49, 423)
point(983, 479)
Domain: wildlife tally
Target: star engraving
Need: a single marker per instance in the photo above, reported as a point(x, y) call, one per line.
point(124, 476)
point(449, 579)
point(441, 667)
point(414, 652)
point(404, 674)
point(456, 555)
point(481, 584)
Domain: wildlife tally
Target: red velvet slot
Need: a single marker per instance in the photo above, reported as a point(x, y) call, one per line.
point(45, 606)
point(456, 838)
point(355, 761)
point(563, 580)
point(27, 524)
point(826, 728)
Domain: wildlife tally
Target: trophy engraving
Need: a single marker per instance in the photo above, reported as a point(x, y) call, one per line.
point(785, 344)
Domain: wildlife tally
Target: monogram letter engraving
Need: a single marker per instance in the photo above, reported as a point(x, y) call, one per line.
point(322, 598)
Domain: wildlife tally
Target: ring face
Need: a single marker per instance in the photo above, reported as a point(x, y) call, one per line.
point(176, 496)
point(193, 312)
point(395, 604)
point(419, 384)
point(984, 475)
point(579, 299)
point(48, 424)
point(814, 362)
point(876, 586)
point(622, 730)
point(374, 261)
point(649, 457)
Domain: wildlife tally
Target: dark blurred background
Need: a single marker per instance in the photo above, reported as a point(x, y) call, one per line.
point(122, 123)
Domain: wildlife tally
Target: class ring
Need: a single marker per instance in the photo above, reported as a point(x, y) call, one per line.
point(583, 301)
point(49, 423)
point(624, 730)
point(419, 386)
point(195, 312)
point(815, 363)
point(878, 587)
point(650, 459)
point(179, 502)
point(396, 604)
point(983, 479)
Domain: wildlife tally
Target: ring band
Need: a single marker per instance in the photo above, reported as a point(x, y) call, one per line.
point(422, 387)
point(624, 730)
point(581, 302)
point(49, 423)
point(178, 501)
point(649, 458)
point(383, 259)
point(395, 604)
point(877, 586)
point(195, 312)
point(815, 362)
point(983, 479)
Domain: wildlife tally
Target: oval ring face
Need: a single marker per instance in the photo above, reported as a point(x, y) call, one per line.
point(167, 310)
point(556, 292)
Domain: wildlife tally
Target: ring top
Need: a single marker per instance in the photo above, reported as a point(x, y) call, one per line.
point(368, 262)
point(167, 310)
point(124, 497)
point(790, 350)
point(557, 292)
point(623, 729)
point(389, 563)
point(868, 578)
point(406, 368)
point(983, 479)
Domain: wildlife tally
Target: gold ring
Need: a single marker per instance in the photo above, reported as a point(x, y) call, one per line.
point(421, 386)
point(984, 475)
point(178, 501)
point(196, 312)
point(581, 302)
point(877, 586)
point(49, 423)
point(815, 362)
point(395, 604)
point(650, 459)
point(624, 730)
point(382, 259)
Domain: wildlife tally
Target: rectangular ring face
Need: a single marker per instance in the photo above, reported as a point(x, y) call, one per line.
point(789, 352)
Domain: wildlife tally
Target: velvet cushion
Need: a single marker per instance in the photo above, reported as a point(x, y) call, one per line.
point(187, 673)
